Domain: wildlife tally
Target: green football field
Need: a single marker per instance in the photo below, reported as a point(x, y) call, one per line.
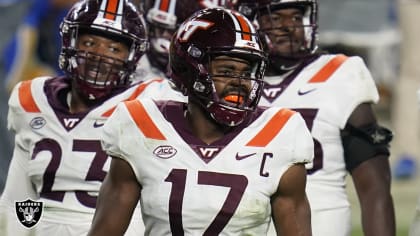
point(405, 194)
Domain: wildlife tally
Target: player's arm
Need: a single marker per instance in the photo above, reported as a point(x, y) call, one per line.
point(366, 146)
point(18, 168)
point(18, 176)
point(290, 207)
point(18, 187)
point(118, 196)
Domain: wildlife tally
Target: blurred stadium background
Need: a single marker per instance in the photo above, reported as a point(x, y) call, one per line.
point(384, 32)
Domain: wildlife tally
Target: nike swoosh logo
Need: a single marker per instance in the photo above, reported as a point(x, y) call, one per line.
point(300, 93)
point(241, 157)
point(98, 124)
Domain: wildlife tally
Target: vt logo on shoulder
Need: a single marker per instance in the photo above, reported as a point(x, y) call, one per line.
point(28, 212)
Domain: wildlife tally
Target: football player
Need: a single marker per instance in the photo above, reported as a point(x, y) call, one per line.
point(334, 94)
point(163, 18)
point(58, 159)
point(216, 165)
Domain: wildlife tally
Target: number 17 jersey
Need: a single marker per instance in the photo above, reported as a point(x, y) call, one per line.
point(193, 188)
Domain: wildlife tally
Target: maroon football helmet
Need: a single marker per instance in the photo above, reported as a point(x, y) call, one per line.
point(167, 15)
point(253, 9)
point(207, 34)
point(117, 20)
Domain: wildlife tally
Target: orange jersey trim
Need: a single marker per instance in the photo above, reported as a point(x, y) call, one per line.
point(271, 129)
point(325, 73)
point(135, 94)
point(26, 98)
point(143, 120)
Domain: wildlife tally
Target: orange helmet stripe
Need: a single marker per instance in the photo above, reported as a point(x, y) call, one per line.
point(246, 35)
point(164, 5)
point(111, 9)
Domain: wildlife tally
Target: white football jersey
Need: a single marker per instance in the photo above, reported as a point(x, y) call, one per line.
point(58, 157)
point(188, 186)
point(164, 90)
point(325, 91)
point(146, 71)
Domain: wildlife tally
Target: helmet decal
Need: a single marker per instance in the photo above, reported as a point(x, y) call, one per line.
point(246, 34)
point(207, 35)
point(165, 5)
point(188, 29)
point(117, 20)
point(163, 12)
point(164, 18)
point(112, 10)
point(253, 9)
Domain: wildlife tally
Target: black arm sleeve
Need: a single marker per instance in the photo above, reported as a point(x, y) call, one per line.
point(362, 143)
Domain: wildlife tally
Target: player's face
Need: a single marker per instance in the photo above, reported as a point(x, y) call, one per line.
point(160, 32)
point(231, 79)
point(103, 57)
point(160, 39)
point(284, 28)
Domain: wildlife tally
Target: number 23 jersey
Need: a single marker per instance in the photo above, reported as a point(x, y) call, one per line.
point(223, 188)
point(58, 156)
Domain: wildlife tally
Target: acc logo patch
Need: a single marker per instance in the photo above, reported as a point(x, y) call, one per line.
point(38, 122)
point(28, 212)
point(165, 151)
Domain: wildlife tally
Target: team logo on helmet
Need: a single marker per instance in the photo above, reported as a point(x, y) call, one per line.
point(29, 212)
point(114, 19)
point(207, 34)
